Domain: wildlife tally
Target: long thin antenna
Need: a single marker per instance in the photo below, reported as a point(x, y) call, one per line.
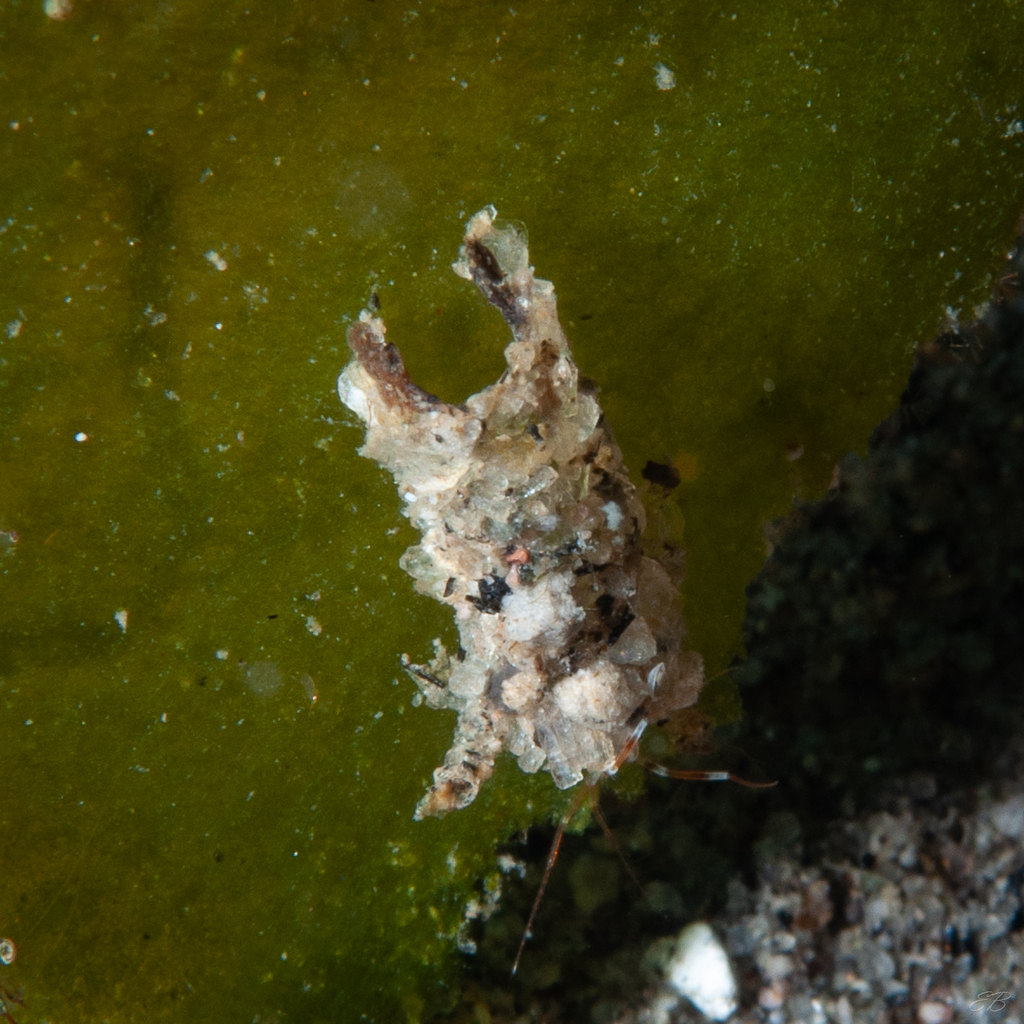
point(699, 776)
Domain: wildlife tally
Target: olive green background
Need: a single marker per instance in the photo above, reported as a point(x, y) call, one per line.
point(744, 262)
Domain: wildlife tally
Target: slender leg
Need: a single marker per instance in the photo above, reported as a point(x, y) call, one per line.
point(586, 793)
point(610, 836)
point(576, 804)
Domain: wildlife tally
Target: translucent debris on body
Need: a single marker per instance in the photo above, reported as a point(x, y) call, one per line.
point(531, 533)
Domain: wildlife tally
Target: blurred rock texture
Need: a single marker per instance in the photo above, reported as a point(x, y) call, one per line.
point(883, 634)
point(911, 915)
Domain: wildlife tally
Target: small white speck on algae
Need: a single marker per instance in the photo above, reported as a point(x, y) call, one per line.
point(664, 78)
point(215, 260)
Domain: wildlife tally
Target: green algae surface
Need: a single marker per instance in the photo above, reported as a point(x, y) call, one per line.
point(209, 760)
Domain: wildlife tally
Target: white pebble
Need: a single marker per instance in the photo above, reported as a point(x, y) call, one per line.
point(700, 971)
point(934, 1013)
point(1008, 817)
point(121, 618)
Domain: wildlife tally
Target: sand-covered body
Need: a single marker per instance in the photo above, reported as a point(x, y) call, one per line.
point(531, 532)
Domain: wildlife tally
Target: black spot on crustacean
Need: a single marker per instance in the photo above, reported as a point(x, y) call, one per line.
point(492, 590)
point(566, 549)
point(615, 617)
point(620, 627)
point(585, 568)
